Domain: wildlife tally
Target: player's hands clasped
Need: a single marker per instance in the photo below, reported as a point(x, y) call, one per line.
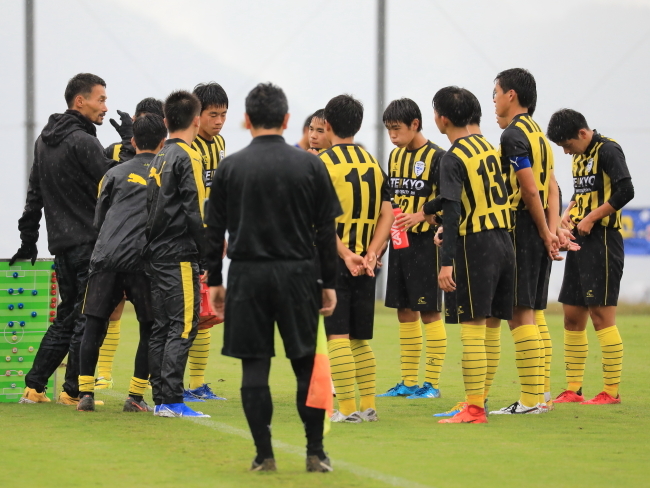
point(355, 264)
point(584, 226)
point(445, 280)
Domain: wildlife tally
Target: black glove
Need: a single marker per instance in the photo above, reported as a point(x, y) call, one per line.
point(26, 251)
point(125, 130)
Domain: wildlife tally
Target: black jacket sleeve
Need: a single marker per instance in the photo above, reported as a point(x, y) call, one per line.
point(216, 221)
point(189, 174)
point(451, 210)
point(103, 201)
point(614, 164)
point(90, 155)
point(29, 222)
point(325, 241)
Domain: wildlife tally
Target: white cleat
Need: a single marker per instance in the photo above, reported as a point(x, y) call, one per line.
point(516, 409)
point(369, 415)
point(353, 418)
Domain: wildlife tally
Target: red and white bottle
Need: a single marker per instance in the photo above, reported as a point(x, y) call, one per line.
point(399, 236)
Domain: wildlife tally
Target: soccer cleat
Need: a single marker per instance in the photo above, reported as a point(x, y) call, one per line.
point(400, 389)
point(173, 410)
point(470, 415)
point(317, 465)
point(603, 398)
point(353, 418)
point(427, 391)
point(30, 395)
point(65, 399)
point(452, 411)
point(568, 396)
point(205, 393)
point(543, 407)
point(369, 415)
point(516, 408)
point(132, 405)
point(188, 397)
point(266, 465)
point(102, 383)
point(86, 404)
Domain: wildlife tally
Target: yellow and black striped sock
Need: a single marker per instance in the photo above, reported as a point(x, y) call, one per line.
point(527, 357)
point(493, 355)
point(107, 351)
point(137, 387)
point(86, 384)
point(366, 366)
point(343, 374)
point(540, 367)
point(611, 345)
point(576, 348)
point(436, 351)
point(410, 344)
point(198, 358)
point(540, 320)
point(474, 362)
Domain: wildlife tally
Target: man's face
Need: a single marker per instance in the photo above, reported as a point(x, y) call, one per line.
point(576, 146)
point(317, 139)
point(401, 134)
point(501, 104)
point(94, 107)
point(212, 119)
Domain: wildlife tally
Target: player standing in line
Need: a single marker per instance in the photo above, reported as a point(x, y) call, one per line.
point(211, 146)
point(414, 171)
point(592, 276)
point(175, 245)
point(303, 143)
point(318, 141)
point(362, 230)
point(532, 190)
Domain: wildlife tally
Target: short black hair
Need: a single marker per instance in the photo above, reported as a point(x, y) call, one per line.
point(180, 109)
point(81, 84)
point(454, 103)
point(266, 106)
point(148, 130)
point(403, 110)
point(477, 112)
point(345, 114)
point(522, 82)
point(565, 124)
point(211, 94)
point(149, 105)
point(305, 125)
point(318, 114)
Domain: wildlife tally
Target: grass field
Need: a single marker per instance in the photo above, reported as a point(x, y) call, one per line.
point(53, 445)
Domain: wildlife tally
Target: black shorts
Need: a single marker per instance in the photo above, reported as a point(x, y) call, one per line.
point(262, 293)
point(355, 305)
point(106, 289)
point(533, 266)
point(484, 273)
point(592, 275)
point(413, 275)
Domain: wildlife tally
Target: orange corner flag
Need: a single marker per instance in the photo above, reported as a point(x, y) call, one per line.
point(320, 387)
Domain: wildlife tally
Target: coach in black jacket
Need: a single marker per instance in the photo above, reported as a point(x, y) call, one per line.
point(69, 163)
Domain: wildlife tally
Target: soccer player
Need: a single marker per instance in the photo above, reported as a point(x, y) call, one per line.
point(362, 230)
point(318, 141)
point(272, 278)
point(414, 170)
point(210, 144)
point(533, 190)
point(116, 265)
point(477, 261)
point(174, 247)
point(592, 275)
point(303, 143)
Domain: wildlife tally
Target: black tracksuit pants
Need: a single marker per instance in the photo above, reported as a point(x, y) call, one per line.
point(64, 335)
point(176, 301)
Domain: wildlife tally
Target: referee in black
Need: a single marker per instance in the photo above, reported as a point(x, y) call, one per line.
point(276, 202)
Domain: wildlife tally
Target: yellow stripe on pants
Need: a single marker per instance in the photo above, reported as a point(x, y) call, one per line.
point(188, 298)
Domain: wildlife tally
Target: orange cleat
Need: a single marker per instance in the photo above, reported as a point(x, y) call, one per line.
point(568, 396)
point(603, 398)
point(470, 415)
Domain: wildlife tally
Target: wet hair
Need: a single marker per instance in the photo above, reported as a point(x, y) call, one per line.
point(454, 103)
point(476, 113)
point(148, 130)
point(565, 124)
point(345, 114)
point(149, 105)
point(266, 106)
point(305, 124)
point(211, 95)
point(318, 114)
point(180, 109)
point(403, 110)
point(81, 84)
point(522, 82)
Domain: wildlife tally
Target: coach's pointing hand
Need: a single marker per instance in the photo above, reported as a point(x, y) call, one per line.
point(445, 280)
point(218, 300)
point(329, 302)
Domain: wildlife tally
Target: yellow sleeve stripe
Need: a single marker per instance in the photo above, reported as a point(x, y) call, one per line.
point(99, 187)
point(116, 152)
point(197, 170)
point(188, 298)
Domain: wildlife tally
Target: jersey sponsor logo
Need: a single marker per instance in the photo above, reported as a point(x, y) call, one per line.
point(153, 173)
point(419, 168)
point(133, 178)
point(590, 164)
point(422, 301)
point(396, 236)
point(208, 174)
point(406, 186)
point(584, 184)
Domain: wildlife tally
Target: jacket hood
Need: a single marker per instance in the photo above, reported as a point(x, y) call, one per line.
point(60, 126)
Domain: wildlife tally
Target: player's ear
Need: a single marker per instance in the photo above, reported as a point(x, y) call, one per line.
point(197, 121)
point(328, 127)
point(247, 122)
point(133, 142)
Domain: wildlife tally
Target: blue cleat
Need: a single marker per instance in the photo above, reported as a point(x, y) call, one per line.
point(427, 391)
point(452, 411)
point(400, 389)
point(189, 397)
point(173, 410)
point(204, 392)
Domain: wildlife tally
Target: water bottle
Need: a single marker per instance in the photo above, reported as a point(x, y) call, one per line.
point(399, 237)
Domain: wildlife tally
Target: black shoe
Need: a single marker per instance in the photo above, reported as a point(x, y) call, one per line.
point(317, 465)
point(132, 405)
point(266, 465)
point(86, 404)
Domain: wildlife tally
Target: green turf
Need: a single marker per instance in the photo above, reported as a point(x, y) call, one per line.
point(53, 445)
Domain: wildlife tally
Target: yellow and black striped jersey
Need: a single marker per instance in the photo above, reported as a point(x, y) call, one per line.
point(523, 137)
point(212, 152)
point(414, 178)
point(470, 173)
point(594, 174)
point(361, 186)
